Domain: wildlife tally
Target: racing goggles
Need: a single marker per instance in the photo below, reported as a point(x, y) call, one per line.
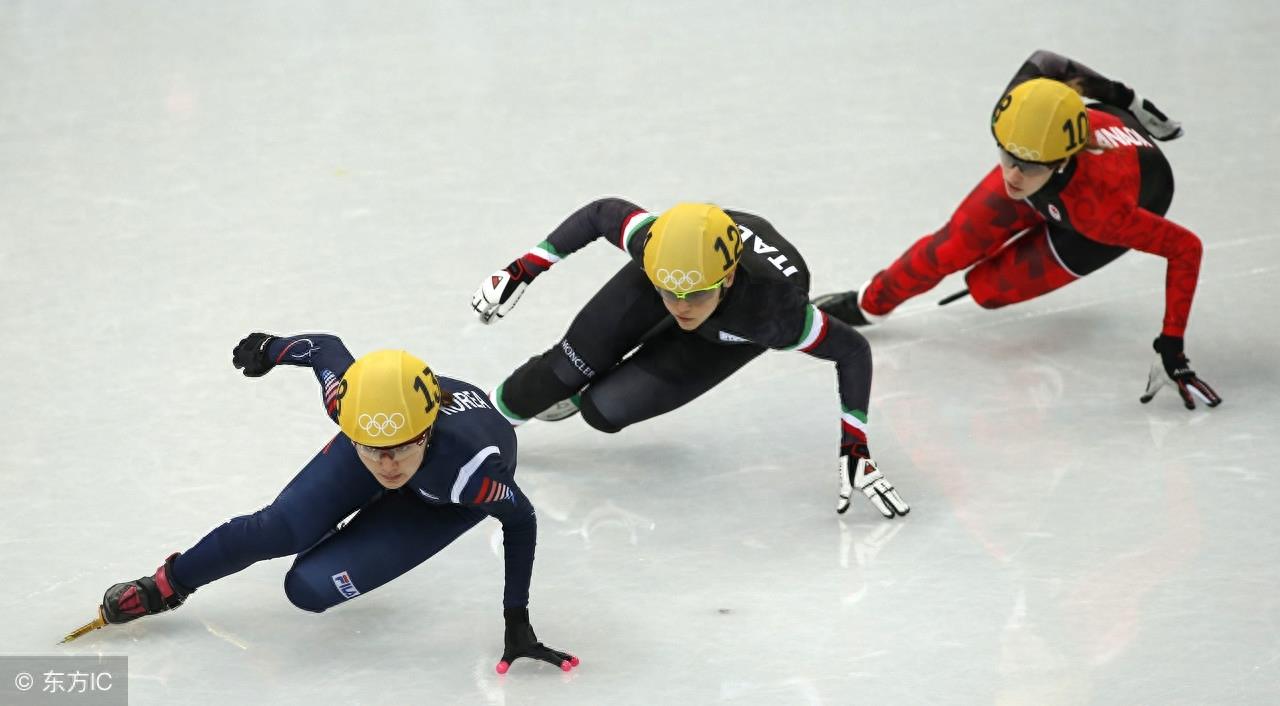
point(397, 452)
point(1031, 169)
point(695, 296)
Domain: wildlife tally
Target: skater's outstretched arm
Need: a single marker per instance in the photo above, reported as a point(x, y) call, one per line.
point(324, 353)
point(1089, 83)
point(616, 220)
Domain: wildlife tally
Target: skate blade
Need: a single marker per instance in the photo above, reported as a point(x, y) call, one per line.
point(558, 411)
point(98, 622)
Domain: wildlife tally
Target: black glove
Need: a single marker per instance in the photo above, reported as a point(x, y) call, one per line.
point(1173, 368)
point(250, 355)
point(145, 596)
point(521, 642)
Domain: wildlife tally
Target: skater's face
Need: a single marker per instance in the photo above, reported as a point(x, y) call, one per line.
point(697, 307)
point(394, 466)
point(1022, 179)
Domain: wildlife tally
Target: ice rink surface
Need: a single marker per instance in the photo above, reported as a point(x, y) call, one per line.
point(179, 174)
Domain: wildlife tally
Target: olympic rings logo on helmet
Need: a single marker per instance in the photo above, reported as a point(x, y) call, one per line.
point(381, 424)
point(678, 280)
point(1022, 152)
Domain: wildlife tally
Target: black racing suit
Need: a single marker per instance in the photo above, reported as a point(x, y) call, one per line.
point(628, 360)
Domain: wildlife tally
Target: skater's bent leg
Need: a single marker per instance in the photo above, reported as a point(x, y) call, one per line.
point(384, 540)
point(1022, 270)
point(542, 381)
point(667, 372)
point(980, 225)
point(333, 485)
point(611, 324)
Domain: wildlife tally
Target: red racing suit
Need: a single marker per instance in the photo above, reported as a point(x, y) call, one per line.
point(1105, 200)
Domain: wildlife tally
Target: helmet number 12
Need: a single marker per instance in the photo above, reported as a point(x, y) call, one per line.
point(733, 250)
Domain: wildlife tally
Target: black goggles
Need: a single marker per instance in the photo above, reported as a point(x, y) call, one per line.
point(1024, 166)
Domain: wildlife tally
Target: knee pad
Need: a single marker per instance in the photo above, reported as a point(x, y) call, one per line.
point(544, 380)
point(1022, 270)
point(569, 368)
point(591, 415)
point(303, 593)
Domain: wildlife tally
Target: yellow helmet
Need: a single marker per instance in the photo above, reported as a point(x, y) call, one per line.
point(1041, 120)
point(387, 398)
point(691, 247)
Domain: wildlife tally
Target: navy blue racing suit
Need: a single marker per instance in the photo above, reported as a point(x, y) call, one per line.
point(467, 474)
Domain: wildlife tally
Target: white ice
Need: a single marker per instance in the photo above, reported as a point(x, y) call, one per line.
point(178, 174)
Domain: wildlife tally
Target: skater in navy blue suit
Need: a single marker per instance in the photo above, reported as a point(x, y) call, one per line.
point(420, 459)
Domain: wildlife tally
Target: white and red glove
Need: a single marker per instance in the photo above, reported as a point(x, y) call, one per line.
point(500, 291)
point(861, 473)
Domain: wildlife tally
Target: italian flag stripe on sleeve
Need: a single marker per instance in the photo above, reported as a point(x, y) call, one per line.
point(544, 254)
point(815, 329)
point(855, 421)
point(631, 225)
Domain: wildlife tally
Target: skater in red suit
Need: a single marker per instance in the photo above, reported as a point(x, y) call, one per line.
point(1076, 187)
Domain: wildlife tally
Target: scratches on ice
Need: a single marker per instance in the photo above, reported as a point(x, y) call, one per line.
point(219, 633)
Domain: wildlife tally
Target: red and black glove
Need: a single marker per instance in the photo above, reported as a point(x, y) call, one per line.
point(521, 642)
point(145, 596)
point(1171, 367)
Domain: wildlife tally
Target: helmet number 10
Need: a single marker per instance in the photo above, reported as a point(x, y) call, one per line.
point(1077, 131)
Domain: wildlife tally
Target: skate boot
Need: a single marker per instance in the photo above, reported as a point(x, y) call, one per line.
point(150, 594)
